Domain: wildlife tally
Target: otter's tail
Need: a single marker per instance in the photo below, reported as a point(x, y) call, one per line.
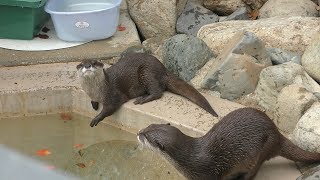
point(180, 87)
point(295, 153)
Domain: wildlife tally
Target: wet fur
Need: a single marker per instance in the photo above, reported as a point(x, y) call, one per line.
point(234, 148)
point(137, 75)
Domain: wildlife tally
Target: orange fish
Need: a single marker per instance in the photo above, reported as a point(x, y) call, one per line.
point(43, 152)
point(78, 146)
point(81, 165)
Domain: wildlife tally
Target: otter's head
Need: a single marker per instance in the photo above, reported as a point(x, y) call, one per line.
point(162, 137)
point(89, 68)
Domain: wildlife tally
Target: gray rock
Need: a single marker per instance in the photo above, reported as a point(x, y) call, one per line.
point(273, 8)
point(255, 4)
point(280, 56)
point(236, 71)
point(193, 18)
point(154, 17)
point(223, 7)
point(240, 14)
point(290, 33)
point(154, 46)
point(291, 104)
point(311, 174)
point(132, 49)
point(273, 78)
point(307, 132)
point(184, 55)
point(311, 59)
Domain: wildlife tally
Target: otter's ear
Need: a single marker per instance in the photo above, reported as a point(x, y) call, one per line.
point(98, 63)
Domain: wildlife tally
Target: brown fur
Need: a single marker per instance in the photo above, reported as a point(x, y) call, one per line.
point(136, 75)
point(234, 148)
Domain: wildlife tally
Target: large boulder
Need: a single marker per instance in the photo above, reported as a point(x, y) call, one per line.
point(236, 71)
point(274, 8)
point(154, 46)
point(311, 59)
point(223, 7)
point(280, 56)
point(274, 78)
point(240, 14)
point(193, 18)
point(292, 102)
point(155, 17)
point(184, 55)
point(307, 132)
point(255, 4)
point(290, 33)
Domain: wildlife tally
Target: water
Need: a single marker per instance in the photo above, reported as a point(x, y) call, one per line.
point(30, 134)
point(110, 153)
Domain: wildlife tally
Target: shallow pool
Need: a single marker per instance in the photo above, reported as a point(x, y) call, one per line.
point(67, 142)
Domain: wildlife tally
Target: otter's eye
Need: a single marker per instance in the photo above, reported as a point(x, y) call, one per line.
point(79, 66)
point(169, 124)
point(161, 147)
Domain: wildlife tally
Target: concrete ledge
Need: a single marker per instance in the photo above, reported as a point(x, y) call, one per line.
point(54, 88)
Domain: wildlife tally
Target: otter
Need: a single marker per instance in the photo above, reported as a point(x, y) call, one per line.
point(234, 148)
point(136, 75)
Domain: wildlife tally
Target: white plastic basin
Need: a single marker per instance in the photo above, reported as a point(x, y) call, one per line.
point(83, 20)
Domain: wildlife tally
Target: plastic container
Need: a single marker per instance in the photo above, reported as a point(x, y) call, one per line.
point(83, 20)
point(21, 19)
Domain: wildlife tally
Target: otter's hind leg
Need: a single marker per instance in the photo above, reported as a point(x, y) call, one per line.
point(153, 95)
point(152, 87)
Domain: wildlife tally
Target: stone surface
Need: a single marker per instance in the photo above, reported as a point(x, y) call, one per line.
point(120, 160)
point(280, 56)
point(184, 55)
point(193, 18)
point(293, 33)
point(311, 174)
point(132, 49)
point(255, 4)
point(223, 7)
point(274, 78)
point(311, 59)
point(292, 102)
point(154, 46)
point(103, 49)
point(236, 71)
point(307, 132)
point(240, 14)
point(154, 17)
point(274, 8)
point(59, 82)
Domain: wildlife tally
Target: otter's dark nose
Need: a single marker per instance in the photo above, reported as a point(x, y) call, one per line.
point(87, 66)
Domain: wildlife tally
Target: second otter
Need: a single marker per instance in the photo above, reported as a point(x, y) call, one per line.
point(234, 148)
point(137, 75)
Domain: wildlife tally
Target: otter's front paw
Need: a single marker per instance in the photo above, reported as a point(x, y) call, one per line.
point(94, 122)
point(95, 105)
